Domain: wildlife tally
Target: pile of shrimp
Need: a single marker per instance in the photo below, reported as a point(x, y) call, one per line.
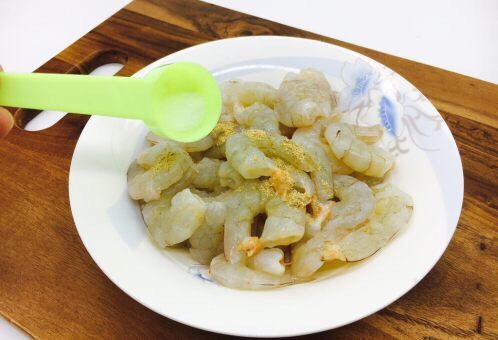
point(281, 186)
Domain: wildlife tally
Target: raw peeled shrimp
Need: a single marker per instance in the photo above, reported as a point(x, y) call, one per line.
point(173, 220)
point(239, 276)
point(259, 116)
point(207, 174)
point(338, 166)
point(282, 147)
point(238, 95)
point(154, 211)
point(228, 176)
point(303, 98)
point(288, 177)
point(224, 130)
point(284, 224)
point(356, 205)
point(133, 170)
point(367, 134)
point(301, 181)
point(243, 204)
point(270, 261)
point(321, 214)
point(309, 139)
point(216, 151)
point(393, 209)
point(220, 134)
point(162, 165)
point(247, 158)
point(367, 159)
point(200, 145)
point(207, 241)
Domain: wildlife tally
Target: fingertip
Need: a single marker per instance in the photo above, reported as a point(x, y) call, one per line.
point(6, 122)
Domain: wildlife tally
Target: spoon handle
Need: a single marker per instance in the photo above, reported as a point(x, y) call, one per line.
point(98, 95)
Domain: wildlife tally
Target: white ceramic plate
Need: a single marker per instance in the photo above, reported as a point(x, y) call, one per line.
point(167, 281)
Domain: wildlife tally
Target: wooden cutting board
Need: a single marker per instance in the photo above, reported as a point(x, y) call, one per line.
point(50, 286)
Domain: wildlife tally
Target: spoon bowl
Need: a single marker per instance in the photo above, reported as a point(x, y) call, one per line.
point(186, 102)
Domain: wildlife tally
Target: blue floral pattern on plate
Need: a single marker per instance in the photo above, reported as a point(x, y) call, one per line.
point(388, 115)
point(359, 78)
point(375, 95)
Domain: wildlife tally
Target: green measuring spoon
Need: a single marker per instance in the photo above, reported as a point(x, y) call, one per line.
point(180, 101)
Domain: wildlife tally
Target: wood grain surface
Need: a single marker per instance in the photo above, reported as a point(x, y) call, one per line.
point(50, 286)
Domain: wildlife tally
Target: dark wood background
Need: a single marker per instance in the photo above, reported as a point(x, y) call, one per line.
point(50, 286)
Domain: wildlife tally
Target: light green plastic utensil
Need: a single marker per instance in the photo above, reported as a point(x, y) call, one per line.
point(180, 101)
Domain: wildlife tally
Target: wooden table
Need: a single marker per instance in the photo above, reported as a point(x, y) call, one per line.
point(50, 286)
